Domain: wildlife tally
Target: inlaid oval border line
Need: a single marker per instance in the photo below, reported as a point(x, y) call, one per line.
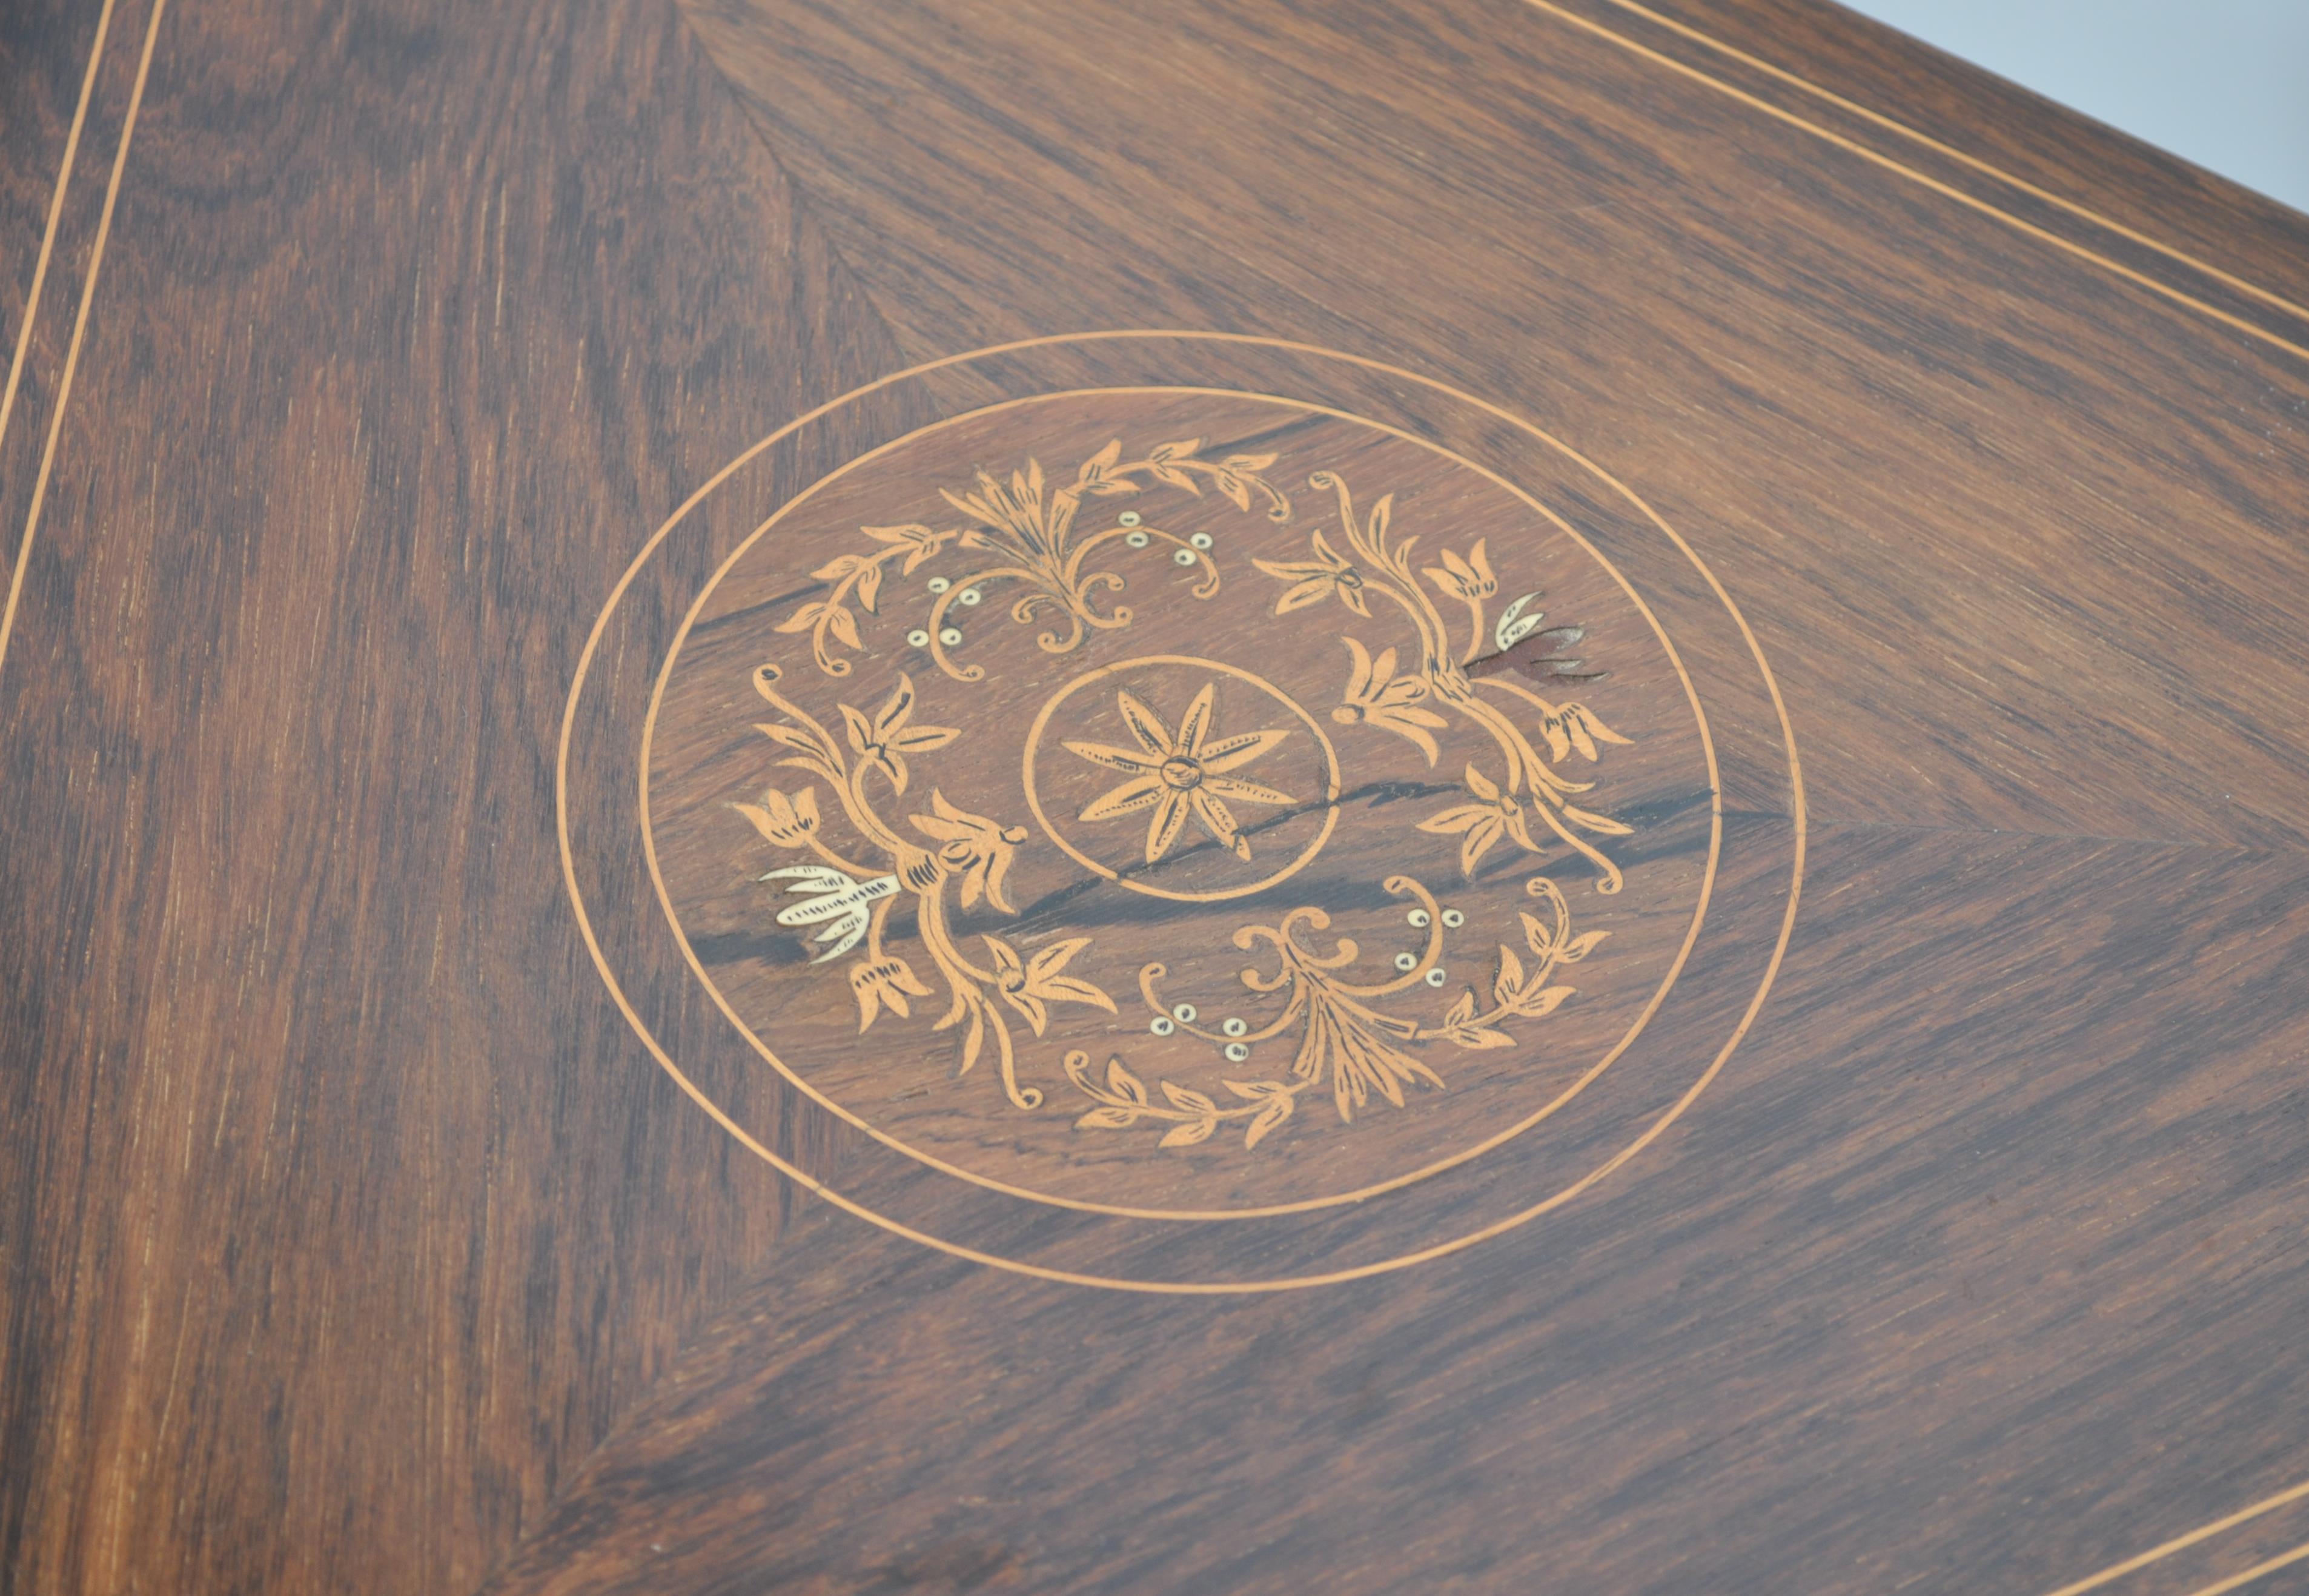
point(1924, 179)
point(1659, 1124)
point(87, 295)
point(1266, 1211)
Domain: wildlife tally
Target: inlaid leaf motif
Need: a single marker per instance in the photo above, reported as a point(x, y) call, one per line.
point(1123, 1083)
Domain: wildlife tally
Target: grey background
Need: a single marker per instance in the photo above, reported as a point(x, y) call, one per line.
point(2222, 83)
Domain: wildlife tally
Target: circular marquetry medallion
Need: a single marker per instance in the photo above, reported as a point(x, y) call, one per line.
point(1147, 804)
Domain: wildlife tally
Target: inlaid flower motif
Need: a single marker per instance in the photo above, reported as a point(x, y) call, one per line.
point(1468, 580)
point(971, 849)
point(1316, 579)
point(1037, 520)
point(885, 740)
point(887, 982)
point(788, 822)
point(1031, 985)
point(1479, 825)
point(1182, 773)
point(1378, 696)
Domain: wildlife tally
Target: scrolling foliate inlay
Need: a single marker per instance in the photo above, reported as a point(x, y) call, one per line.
point(1344, 1038)
point(1027, 530)
point(849, 901)
point(1190, 758)
point(1531, 788)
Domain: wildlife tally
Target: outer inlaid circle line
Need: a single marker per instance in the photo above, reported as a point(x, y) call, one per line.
point(1264, 1211)
point(1675, 1110)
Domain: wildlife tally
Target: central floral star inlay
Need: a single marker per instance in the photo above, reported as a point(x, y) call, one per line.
point(1181, 772)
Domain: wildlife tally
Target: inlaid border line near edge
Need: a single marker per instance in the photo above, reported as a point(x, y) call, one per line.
point(1945, 190)
point(1986, 168)
point(1797, 819)
point(56, 217)
point(79, 330)
point(2238, 1582)
point(2117, 1571)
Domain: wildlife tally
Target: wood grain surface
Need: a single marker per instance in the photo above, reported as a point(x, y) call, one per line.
point(387, 1205)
